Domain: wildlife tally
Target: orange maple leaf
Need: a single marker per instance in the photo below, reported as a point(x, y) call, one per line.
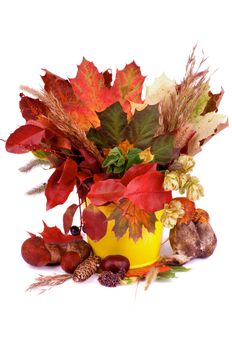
point(129, 216)
point(128, 86)
point(73, 106)
point(142, 271)
point(89, 86)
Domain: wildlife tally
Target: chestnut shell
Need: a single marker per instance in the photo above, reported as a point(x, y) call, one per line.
point(34, 252)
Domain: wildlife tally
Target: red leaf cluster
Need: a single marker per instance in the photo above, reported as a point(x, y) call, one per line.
point(102, 192)
point(137, 196)
point(141, 184)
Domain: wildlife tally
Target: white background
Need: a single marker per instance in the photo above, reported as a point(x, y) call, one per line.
point(193, 311)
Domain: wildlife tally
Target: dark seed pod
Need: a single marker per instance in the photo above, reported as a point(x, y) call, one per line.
point(115, 263)
point(109, 279)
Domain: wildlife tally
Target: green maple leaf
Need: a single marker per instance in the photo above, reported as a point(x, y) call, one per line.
point(113, 124)
point(162, 148)
point(142, 127)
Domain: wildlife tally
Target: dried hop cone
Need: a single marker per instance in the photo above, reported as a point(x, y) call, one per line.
point(194, 189)
point(109, 279)
point(187, 163)
point(171, 181)
point(183, 179)
point(172, 212)
point(86, 269)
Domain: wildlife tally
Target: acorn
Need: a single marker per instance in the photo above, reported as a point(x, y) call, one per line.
point(34, 252)
point(115, 263)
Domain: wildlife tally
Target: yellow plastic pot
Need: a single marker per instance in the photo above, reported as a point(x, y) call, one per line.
point(142, 253)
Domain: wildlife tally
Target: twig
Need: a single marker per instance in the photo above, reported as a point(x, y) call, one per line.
point(48, 282)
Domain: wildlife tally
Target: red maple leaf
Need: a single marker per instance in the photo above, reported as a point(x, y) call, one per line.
point(128, 216)
point(53, 235)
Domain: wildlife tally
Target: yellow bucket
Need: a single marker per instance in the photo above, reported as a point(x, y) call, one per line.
point(142, 253)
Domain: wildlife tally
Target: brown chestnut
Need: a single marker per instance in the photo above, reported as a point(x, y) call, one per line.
point(115, 263)
point(69, 261)
point(34, 252)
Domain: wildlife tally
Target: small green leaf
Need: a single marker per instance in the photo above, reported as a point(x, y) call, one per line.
point(180, 269)
point(142, 127)
point(162, 148)
point(40, 154)
point(133, 157)
point(162, 276)
point(115, 162)
point(172, 273)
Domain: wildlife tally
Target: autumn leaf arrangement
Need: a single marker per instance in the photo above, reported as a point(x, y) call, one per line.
point(113, 147)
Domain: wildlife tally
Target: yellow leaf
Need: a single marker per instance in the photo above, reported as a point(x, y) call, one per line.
point(205, 127)
point(162, 88)
point(146, 155)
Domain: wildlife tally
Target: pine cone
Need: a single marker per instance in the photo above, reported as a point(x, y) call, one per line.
point(86, 269)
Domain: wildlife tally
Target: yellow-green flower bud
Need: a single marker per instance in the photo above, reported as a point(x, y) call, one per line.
point(172, 212)
point(187, 163)
point(194, 189)
point(171, 181)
